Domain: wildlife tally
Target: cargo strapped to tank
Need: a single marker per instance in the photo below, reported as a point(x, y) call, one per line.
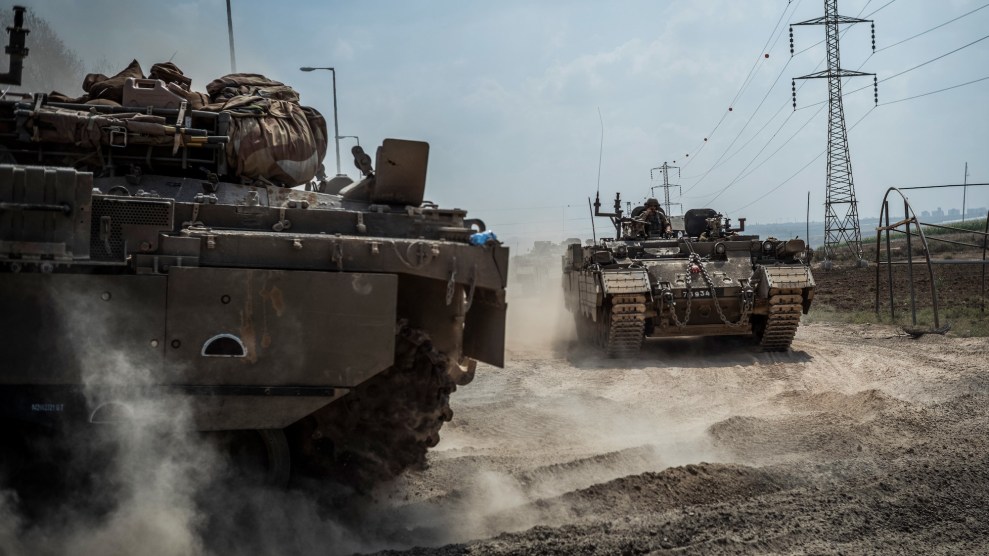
point(248, 126)
point(105, 136)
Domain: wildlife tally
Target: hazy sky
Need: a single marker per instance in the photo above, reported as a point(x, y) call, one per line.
point(507, 93)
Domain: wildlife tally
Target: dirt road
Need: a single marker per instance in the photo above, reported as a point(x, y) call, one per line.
point(861, 440)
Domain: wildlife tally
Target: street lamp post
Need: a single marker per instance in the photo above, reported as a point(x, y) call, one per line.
point(336, 126)
point(354, 137)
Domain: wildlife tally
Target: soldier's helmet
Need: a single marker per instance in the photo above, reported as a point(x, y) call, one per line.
point(651, 202)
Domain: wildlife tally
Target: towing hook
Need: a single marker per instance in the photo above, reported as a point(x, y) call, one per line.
point(748, 297)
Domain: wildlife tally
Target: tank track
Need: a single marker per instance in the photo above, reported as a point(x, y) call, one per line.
point(785, 308)
point(623, 329)
point(384, 425)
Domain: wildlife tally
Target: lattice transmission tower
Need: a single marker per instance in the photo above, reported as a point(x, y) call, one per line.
point(666, 184)
point(841, 219)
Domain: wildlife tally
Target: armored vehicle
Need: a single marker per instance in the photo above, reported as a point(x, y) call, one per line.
point(698, 277)
point(146, 255)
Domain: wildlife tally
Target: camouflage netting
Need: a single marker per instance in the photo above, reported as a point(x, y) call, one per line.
point(271, 135)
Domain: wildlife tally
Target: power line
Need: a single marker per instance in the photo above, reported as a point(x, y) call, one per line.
point(757, 133)
point(745, 84)
point(802, 168)
point(907, 70)
point(937, 91)
point(933, 28)
point(935, 59)
point(740, 177)
point(719, 162)
point(787, 142)
point(874, 12)
point(748, 78)
point(739, 134)
point(916, 67)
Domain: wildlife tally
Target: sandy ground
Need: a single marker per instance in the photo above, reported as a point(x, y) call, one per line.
point(860, 440)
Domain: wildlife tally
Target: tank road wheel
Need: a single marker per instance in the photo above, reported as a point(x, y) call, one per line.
point(384, 425)
point(260, 455)
point(775, 331)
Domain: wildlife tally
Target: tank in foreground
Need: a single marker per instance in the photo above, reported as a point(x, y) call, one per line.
point(322, 329)
point(704, 278)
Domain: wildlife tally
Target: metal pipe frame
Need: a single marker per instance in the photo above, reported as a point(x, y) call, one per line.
point(910, 217)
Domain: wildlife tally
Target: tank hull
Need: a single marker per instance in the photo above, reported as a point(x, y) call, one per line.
point(254, 315)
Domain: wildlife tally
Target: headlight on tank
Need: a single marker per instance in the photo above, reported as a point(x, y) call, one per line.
point(720, 249)
point(768, 246)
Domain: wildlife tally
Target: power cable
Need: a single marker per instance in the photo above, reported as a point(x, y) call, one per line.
point(933, 59)
point(904, 71)
point(933, 28)
point(937, 91)
point(748, 78)
point(744, 85)
point(740, 175)
point(804, 167)
point(719, 162)
point(874, 12)
point(739, 134)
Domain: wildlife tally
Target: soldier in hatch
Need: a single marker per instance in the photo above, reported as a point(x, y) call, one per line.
point(654, 217)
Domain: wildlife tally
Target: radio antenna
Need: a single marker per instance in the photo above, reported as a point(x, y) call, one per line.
point(594, 233)
point(597, 195)
point(600, 150)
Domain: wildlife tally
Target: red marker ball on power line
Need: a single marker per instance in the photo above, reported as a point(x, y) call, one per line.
point(767, 55)
point(729, 108)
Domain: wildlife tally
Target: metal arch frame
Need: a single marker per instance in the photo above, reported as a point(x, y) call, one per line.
point(909, 216)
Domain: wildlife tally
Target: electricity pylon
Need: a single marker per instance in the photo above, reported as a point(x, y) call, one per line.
point(666, 184)
point(841, 219)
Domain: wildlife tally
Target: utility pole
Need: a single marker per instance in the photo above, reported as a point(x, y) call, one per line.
point(964, 191)
point(666, 184)
point(230, 34)
point(841, 219)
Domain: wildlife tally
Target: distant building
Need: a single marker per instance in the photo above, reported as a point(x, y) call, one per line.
point(954, 213)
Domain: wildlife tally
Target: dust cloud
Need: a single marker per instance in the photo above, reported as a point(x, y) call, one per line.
point(145, 482)
point(537, 317)
point(558, 419)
